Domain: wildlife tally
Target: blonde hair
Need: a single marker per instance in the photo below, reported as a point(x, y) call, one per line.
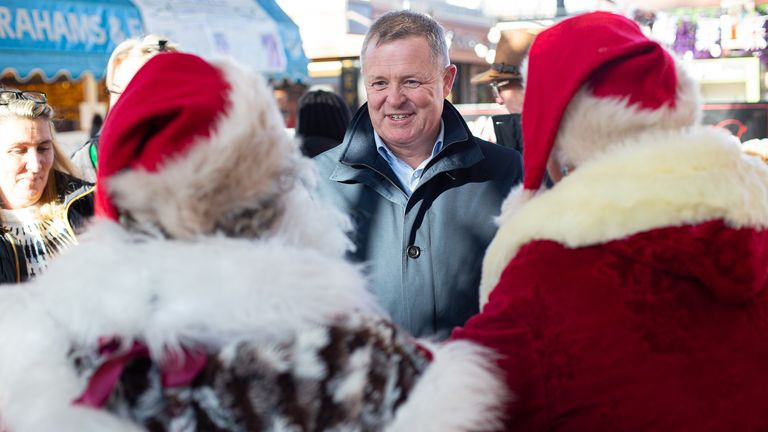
point(144, 48)
point(31, 110)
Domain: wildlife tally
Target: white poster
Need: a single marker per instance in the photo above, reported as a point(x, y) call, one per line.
point(240, 29)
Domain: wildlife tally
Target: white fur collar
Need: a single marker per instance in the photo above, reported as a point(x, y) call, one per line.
point(656, 180)
point(207, 292)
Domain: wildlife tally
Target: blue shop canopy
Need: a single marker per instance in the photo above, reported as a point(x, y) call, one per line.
point(63, 37)
point(71, 37)
point(256, 33)
point(296, 67)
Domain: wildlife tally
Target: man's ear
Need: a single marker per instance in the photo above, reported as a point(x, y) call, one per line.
point(448, 76)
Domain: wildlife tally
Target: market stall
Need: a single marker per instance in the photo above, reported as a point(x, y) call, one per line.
point(62, 47)
point(255, 32)
point(53, 37)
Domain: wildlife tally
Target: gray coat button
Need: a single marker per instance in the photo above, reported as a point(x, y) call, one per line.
point(413, 252)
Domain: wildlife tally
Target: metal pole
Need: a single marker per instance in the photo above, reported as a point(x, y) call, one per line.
point(560, 8)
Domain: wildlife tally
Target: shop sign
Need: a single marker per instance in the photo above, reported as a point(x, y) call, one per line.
point(240, 29)
point(72, 26)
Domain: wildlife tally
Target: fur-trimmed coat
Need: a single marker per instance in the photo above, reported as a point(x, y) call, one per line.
point(290, 340)
point(633, 295)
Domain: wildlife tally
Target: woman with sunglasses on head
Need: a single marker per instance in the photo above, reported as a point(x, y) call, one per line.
point(43, 205)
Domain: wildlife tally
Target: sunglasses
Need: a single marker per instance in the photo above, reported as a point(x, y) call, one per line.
point(496, 87)
point(6, 96)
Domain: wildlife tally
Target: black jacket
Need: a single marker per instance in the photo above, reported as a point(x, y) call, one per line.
point(77, 197)
point(313, 145)
point(508, 131)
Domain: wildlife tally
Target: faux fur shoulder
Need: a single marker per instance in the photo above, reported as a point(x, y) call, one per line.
point(656, 180)
point(213, 293)
point(166, 293)
point(208, 292)
point(308, 222)
point(462, 390)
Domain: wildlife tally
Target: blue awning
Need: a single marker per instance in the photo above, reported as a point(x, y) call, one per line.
point(57, 37)
point(296, 69)
point(256, 33)
point(70, 37)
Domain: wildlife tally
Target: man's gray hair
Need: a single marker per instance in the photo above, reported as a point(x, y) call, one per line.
point(403, 24)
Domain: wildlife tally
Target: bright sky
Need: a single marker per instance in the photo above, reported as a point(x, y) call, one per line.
point(470, 4)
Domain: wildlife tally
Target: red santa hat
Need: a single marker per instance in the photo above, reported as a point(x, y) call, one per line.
point(185, 91)
point(613, 79)
point(194, 147)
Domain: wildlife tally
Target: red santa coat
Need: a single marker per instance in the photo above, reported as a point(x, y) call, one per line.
point(632, 296)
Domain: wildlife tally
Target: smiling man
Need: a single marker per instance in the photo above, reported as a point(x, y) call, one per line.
point(422, 192)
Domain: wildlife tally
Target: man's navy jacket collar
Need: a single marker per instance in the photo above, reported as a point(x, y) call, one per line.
point(359, 150)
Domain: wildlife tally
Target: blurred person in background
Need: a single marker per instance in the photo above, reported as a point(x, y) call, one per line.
point(96, 122)
point(43, 205)
point(420, 188)
point(323, 118)
point(632, 295)
point(506, 81)
point(126, 59)
point(216, 295)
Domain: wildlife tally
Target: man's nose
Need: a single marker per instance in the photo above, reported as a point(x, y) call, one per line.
point(395, 95)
